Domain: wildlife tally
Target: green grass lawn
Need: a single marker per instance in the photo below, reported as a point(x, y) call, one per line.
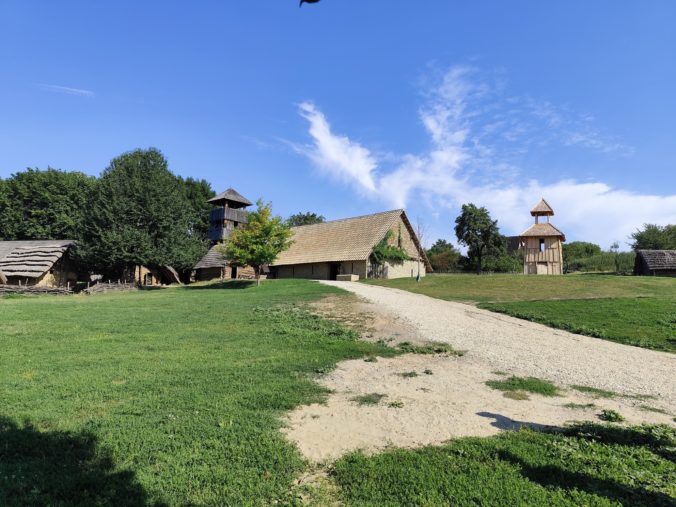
point(644, 322)
point(587, 465)
point(637, 311)
point(170, 396)
point(176, 396)
point(504, 288)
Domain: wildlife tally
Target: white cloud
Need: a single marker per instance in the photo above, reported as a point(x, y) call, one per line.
point(476, 136)
point(337, 155)
point(67, 90)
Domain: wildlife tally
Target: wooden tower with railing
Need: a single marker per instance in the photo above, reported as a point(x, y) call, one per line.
point(228, 212)
point(542, 244)
point(226, 215)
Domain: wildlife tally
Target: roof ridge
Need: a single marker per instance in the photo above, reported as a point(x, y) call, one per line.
point(400, 210)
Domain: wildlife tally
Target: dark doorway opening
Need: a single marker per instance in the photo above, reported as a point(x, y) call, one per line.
point(334, 269)
point(233, 273)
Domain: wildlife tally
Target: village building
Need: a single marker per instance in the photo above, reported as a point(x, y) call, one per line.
point(227, 214)
point(542, 244)
point(42, 263)
point(655, 263)
point(340, 249)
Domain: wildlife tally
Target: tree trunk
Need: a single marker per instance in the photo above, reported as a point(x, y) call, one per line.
point(478, 264)
point(257, 271)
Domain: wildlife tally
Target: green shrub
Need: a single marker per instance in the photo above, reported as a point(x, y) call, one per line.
point(530, 384)
point(610, 416)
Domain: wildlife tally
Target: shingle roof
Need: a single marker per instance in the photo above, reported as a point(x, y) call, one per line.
point(31, 259)
point(542, 208)
point(659, 259)
point(231, 195)
point(542, 231)
point(349, 239)
point(212, 259)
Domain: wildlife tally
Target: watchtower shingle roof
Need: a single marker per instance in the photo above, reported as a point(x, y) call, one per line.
point(542, 209)
point(231, 195)
point(542, 231)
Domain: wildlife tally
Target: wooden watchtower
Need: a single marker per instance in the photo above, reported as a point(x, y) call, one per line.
point(541, 243)
point(226, 214)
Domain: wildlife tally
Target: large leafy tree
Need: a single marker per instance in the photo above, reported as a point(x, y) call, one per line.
point(655, 237)
point(197, 193)
point(259, 242)
point(307, 218)
point(443, 256)
point(49, 204)
point(475, 229)
point(140, 214)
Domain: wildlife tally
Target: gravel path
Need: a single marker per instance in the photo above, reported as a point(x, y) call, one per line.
point(525, 348)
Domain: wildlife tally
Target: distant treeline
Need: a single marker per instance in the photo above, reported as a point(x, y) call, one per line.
point(578, 256)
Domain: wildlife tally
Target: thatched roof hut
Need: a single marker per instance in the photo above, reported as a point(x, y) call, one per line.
point(33, 261)
point(327, 249)
point(655, 263)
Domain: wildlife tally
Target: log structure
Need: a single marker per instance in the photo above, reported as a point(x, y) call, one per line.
point(227, 214)
point(542, 244)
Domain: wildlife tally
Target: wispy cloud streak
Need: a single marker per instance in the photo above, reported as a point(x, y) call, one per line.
point(477, 133)
point(67, 90)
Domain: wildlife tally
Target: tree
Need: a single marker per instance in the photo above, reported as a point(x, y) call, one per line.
point(443, 256)
point(140, 215)
point(655, 237)
point(197, 193)
point(475, 229)
point(421, 233)
point(49, 204)
point(580, 250)
point(259, 242)
point(305, 219)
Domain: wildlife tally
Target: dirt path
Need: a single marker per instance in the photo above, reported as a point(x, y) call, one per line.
point(522, 347)
point(447, 396)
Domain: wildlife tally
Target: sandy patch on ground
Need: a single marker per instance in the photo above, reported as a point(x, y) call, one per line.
point(447, 399)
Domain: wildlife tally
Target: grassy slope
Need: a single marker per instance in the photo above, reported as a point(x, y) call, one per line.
point(590, 465)
point(168, 396)
point(633, 310)
point(644, 322)
point(175, 397)
point(504, 288)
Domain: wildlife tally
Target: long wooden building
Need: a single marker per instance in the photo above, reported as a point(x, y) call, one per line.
point(542, 244)
point(343, 247)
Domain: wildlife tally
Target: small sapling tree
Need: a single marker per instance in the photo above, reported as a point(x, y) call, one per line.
point(259, 242)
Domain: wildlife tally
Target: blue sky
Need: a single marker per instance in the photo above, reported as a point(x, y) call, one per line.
point(349, 107)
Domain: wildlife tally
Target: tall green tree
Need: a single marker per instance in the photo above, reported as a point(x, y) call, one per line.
point(197, 193)
point(307, 218)
point(259, 242)
point(580, 250)
point(44, 204)
point(443, 256)
point(140, 214)
point(655, 237)
point(475, 229)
